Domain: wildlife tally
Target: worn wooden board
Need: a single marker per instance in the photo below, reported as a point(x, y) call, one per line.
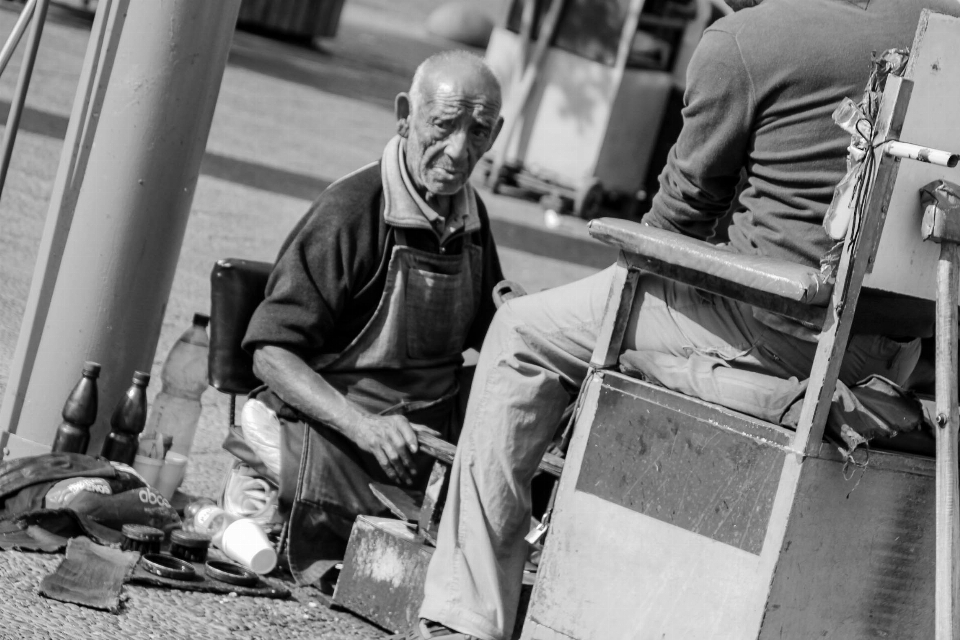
point(611, 572)
point(686, 471)
point(858, 556)
point(400, 503)
point(905, 263)
point(383, 573)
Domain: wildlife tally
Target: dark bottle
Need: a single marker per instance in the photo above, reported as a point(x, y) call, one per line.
point(127, 422)
point(79, 413)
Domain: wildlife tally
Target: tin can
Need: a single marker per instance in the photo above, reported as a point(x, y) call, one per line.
point(188, 545)
point(140, 537)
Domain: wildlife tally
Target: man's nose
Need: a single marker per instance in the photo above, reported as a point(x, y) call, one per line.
point(456, 145)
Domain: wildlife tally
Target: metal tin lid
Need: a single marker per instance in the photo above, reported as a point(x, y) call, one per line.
point(142, 533)
point(141, 377)
point(168, 567)
point(189, 539)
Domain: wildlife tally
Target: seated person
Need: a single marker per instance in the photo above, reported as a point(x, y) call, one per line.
point(373, 299)
point(761, 88)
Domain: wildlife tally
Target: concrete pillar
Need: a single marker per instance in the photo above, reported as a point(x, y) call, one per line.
point(132, 190)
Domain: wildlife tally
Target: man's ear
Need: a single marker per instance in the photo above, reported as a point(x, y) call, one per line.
point(403, 108)
point(496, 131)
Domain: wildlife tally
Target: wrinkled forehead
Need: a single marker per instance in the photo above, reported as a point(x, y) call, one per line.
point(451, 94)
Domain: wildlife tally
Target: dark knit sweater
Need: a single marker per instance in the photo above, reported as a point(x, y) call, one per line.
point(330, 273)
point(761, 88)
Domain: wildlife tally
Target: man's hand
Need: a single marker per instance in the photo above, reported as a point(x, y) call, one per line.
point(393, 441)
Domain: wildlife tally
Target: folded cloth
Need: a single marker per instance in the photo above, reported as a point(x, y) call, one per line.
point(48, 530)
point(91, 575)
point(874, 407)
point(18, 476)
point(96, 491)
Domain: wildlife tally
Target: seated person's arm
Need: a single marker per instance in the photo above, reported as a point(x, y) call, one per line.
point(321, 266)
point(391, 439)
point(699, 182)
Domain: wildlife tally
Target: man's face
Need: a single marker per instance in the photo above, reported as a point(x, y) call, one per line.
point(455, 123)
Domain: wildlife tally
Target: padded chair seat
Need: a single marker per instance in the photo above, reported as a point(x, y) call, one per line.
point(236, 290)
point(779, 278)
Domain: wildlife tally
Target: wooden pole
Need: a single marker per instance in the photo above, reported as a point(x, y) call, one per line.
point(94, 77)
point(127, 213)
point(948, 419)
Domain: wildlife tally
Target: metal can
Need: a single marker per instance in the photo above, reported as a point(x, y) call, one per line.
point(188, 545)
point(140, 537)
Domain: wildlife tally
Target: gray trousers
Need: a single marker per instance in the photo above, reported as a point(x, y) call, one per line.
point(533, 360)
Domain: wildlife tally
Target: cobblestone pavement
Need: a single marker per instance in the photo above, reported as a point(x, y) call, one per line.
point(289, 121)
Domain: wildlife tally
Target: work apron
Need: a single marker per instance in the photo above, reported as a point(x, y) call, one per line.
point(405, 361)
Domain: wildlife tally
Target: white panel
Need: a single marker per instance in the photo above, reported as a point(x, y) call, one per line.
point(612, 573)
point(566, 113)
point(905, 263)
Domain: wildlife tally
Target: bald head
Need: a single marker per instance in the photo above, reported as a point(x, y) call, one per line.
point(454, 66)
point(448, 120)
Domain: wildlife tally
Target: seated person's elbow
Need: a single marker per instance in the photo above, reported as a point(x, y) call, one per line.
point(261, 359)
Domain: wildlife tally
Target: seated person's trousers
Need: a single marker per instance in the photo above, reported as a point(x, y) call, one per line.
point(534, 358)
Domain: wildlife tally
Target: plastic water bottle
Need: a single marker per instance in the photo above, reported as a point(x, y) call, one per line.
point(176, 409)
point(127, 422)
point(79, 413)
point(242, 540)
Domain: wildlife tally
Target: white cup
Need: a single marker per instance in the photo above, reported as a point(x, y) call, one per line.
point(245, 542)
point(171, 473)
point(148, 468)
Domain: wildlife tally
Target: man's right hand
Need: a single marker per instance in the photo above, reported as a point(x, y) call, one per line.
point(393, 441)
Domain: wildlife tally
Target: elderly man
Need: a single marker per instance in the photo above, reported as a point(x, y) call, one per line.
point(760, 92)
point(374, 296)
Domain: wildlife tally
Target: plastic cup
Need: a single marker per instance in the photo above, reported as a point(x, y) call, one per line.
point(245, 542)
point(171, 473)
point(149, 468)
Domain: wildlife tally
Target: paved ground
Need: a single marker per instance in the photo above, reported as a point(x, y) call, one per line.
point(289, 121)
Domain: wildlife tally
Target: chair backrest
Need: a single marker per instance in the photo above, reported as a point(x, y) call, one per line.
point(905, 264)
point(236, 289)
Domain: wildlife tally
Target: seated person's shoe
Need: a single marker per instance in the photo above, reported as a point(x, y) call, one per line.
point(429, 630)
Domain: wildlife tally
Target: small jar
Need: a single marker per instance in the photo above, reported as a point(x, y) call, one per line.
point(188, 545)
point(140, 537)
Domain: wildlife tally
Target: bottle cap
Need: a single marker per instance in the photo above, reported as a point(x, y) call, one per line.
point(190, 539)
point(245, 542)
point(91, 369)
point(201, 319)
point(141, 533)
point(142, 377)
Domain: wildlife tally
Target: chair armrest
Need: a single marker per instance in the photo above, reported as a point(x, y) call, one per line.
point(777, 285)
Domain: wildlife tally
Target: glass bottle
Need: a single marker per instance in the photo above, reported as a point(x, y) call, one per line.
point(127, 422)
point(79, 413)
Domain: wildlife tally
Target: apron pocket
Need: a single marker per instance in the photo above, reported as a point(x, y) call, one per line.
point(437, 311)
